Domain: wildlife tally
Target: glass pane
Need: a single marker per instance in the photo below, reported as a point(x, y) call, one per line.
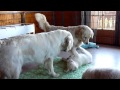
point(109, 12)
point(103, 20)
point(100, 24)
point(109, 22)
point(96, 12)
point(96, 22)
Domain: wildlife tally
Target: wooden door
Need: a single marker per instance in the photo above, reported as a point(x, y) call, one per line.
point(104, 23)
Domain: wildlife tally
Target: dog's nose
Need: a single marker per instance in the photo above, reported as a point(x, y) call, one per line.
point(64, 50)
point(86, 43)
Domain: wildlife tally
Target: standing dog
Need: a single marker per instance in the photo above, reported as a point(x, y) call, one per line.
point(81, 33)
point(41, 48)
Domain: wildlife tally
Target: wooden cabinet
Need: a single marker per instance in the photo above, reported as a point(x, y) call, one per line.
point(9, 17)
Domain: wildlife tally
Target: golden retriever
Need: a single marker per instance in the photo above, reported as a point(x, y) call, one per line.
point(101, 73)
point(41, 48)
point(81, 33)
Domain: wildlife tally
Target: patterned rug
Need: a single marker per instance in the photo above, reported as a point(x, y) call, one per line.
point(59, 67)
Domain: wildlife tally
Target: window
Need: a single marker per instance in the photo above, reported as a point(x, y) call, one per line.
point(103, 20)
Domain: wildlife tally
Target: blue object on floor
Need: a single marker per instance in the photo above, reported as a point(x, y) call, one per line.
point(90, 45)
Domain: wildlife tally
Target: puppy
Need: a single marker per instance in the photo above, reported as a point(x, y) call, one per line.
point(101, 73)
point(81, 33)
point(78, 59)
point(40, 48)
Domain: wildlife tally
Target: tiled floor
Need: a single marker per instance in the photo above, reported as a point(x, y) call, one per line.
point(105, 56)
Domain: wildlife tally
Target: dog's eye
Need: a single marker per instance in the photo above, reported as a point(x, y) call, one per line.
point(71, 61)
point(85, 38)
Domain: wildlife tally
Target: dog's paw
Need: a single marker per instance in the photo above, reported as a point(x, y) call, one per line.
point(64, 59)
point(78, 48)
point(56, 75)
point(66, 70)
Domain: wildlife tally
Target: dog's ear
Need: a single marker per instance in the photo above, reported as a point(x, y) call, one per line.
point(69, 42)
point(78, 33)
point(92, 34)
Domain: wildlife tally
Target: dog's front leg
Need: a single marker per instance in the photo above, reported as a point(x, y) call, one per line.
point(67, 70)
point(78, 45)
point(50, 68)
point(74, 51)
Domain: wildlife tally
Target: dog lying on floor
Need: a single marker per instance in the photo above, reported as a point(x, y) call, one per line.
point(78, 59)
point(41, 48)
point(101, 73)
point(81, 33)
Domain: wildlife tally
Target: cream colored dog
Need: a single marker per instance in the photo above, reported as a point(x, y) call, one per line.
point(101, 73)
point(81, 33)
point(78, 59)
point(41, 48)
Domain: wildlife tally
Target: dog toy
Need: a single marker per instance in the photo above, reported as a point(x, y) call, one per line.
point(90, 45)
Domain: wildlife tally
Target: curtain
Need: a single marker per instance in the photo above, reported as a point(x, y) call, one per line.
point(86, 20)
point(117, 28)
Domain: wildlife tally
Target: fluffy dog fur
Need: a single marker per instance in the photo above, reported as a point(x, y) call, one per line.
point(41, 48)
point(81, 33)
point(101, 73)
point(78, 59)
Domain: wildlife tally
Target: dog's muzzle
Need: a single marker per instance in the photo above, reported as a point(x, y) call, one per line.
point(87, 43)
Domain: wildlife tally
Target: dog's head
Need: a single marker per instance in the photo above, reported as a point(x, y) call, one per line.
point(68, 43)
point(101, 73)
point(84, 33)
point(71, 64)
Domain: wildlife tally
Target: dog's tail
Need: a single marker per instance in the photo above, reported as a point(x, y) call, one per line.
point(42, 21)
point(44, 24)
